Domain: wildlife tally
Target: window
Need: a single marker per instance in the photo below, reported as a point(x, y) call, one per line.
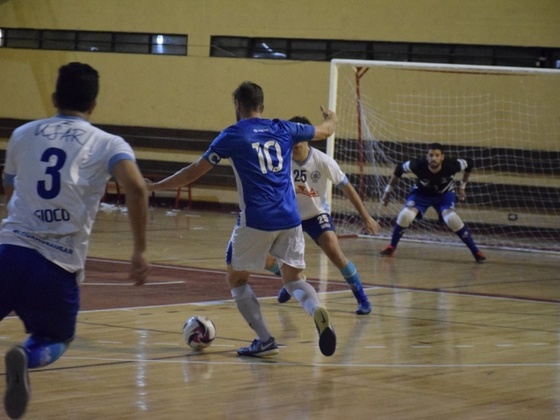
point(95, 41)
point(21, 38)
point(225, 46)
point(169, 44)
point(430, 53)
point(390, 51)
point(270, 48)
point(472, 54)
point(310, 50)
point(59, 40)
point(357, 50)
point(517, 57)
point(135, 43)
point(326, 49)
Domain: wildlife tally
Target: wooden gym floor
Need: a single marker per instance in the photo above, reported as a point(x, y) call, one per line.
point(447, 338)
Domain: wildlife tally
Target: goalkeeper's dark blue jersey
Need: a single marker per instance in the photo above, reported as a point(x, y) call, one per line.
point(260, 151)
point(433, 184)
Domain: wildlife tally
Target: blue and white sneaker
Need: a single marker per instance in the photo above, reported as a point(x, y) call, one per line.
point(259, 348)
point(364, 308)
point(284, 295)
point(327, 337)
point(18, 390)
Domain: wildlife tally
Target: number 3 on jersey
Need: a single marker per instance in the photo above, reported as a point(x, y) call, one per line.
point(265, 157)
point(53, 170)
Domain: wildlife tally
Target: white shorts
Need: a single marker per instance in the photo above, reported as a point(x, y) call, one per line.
point(248, 248)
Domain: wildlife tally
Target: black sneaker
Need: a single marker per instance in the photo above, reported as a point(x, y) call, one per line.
point(283, 295)
point(18, 390)
point(259, 348)
point(388, 251)
point(327, 337)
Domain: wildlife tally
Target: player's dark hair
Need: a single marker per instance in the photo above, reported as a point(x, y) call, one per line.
point(77, 86)
point(250, 95)
point(435, 146)
point(301, 120)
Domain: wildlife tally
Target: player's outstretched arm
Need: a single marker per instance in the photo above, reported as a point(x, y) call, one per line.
point(327, 127)
point(183, 176)
point(370, 223)
point(386, 197)
point(128, 175)
point(461, 193)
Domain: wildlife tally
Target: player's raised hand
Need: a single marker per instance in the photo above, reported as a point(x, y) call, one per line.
point(327, 113)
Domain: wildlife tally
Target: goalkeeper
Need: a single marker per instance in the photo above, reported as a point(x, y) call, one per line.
point(435, 187)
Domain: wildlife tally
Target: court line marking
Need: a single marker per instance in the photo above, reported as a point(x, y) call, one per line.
point(159, 283)
point(367, 287)
point(270, 362)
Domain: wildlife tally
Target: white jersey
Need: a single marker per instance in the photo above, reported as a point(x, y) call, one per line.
point(59, 168)
point(310, 181)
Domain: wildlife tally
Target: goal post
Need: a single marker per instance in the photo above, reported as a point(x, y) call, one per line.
point(505, 119)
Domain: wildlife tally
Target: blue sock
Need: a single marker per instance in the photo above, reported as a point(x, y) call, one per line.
point(350, 274)
point(275, 269)
point(41, 352)
point(397, 234)
point(465, 234)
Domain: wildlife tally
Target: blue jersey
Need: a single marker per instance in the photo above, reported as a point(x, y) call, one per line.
point(260, 151)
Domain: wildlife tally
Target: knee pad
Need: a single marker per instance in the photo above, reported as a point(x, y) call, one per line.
point(406, 217)
point(453, 220)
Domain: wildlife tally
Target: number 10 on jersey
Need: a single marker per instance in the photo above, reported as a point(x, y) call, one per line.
point(265, 158)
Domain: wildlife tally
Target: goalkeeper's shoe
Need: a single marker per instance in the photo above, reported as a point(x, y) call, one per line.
point(479, 257)
point(388, 251)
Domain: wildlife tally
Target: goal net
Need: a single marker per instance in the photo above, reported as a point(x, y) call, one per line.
point(506, 120)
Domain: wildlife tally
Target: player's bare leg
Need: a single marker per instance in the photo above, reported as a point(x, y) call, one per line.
point(328, 241)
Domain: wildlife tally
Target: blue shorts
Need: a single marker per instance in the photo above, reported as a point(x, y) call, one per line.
point(315, 226)
point(45, 296)
point(423, 202)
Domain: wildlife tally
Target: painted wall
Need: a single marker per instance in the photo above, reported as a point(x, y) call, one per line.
point(194, 92)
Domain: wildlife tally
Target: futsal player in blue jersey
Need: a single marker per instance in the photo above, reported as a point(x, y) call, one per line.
point(435, 187)
point(260, 151)
point(55, 175)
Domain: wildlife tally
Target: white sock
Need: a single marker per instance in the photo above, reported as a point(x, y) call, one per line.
point(248, 305)
point(305, 294)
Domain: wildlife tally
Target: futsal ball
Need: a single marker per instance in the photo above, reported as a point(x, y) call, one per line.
point(199, 332)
